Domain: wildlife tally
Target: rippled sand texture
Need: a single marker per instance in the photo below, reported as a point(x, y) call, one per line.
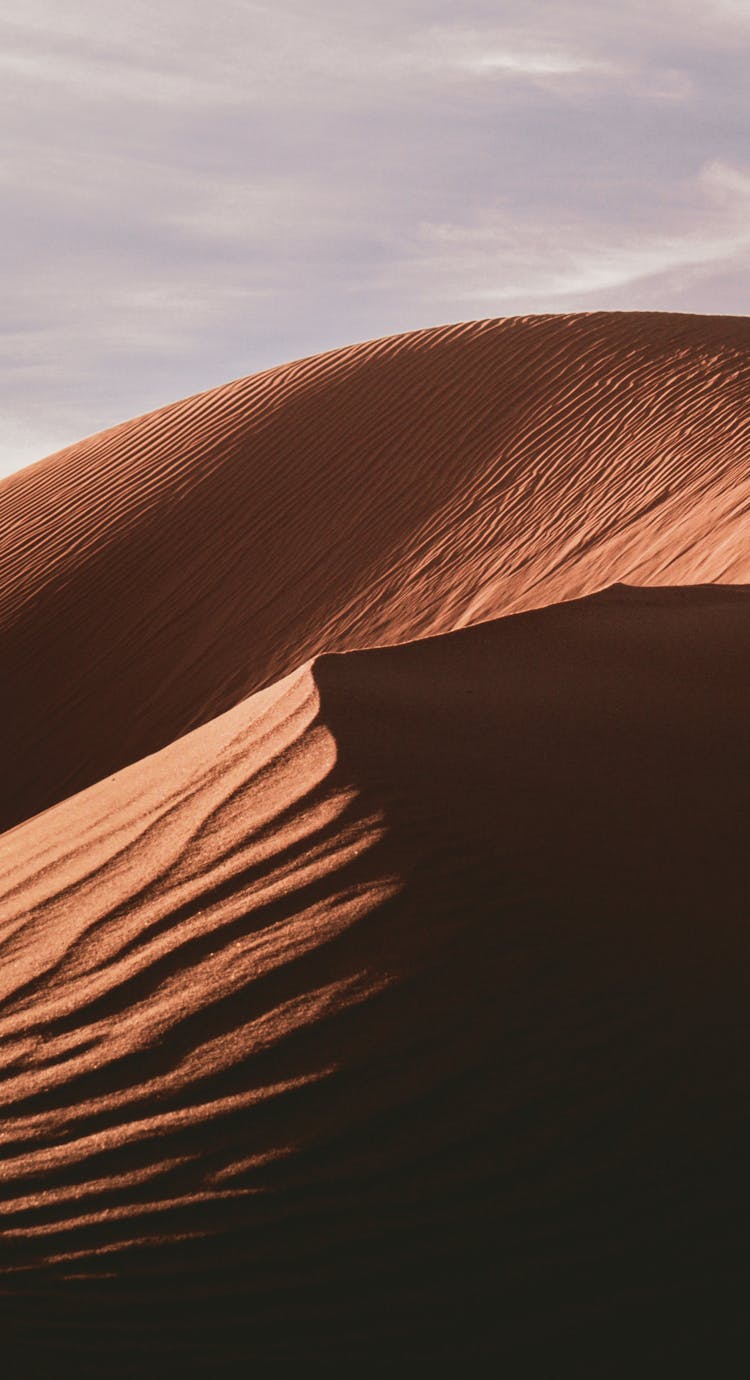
point(153, 575)
point(394, 1017)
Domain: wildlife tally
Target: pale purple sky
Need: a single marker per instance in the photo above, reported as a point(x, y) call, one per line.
point(193, 190)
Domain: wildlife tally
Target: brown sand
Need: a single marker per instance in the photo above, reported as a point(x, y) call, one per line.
point(396, 1017)
point(152, 576)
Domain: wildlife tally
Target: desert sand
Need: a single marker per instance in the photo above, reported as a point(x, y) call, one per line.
point(374, 918)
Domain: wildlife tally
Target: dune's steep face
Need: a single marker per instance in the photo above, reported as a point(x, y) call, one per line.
point(153, 575)
point(398, 1016)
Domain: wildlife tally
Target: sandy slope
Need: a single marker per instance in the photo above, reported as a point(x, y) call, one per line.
point(399, 1011)
point(152, 575)
point(396, 1017)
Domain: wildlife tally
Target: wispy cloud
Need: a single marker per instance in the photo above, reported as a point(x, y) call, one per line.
point(501, 257)
point(471, 52)
point(530, 64)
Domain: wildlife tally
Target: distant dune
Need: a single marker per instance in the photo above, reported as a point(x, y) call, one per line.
point(369, 1006)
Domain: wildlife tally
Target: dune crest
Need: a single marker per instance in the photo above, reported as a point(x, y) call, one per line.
point(153, 575)
point(373, 890)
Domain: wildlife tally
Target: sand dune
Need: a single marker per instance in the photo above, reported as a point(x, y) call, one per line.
point(153, 575)
point(394, 1017)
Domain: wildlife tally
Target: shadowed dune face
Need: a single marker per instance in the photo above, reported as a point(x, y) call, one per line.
point(153, 575)
point(400, 1012)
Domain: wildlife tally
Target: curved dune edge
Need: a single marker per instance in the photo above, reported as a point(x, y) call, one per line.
point(399, 1011)
point(152, 576)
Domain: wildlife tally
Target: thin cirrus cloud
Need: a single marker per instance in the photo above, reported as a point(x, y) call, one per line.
point(529, 64)
point(495, 260)
point(465, 50)
point(193, 191)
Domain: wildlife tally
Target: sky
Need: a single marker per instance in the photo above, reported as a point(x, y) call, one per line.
point(194, 191)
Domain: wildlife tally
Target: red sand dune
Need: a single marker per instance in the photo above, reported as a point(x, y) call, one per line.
point(152, 576)
point(396, 1016)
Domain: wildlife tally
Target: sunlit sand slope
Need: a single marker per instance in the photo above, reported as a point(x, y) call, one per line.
point(397, 1017)
point(153, 575)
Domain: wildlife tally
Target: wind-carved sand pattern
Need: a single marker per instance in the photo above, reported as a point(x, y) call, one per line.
point(374, 984)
